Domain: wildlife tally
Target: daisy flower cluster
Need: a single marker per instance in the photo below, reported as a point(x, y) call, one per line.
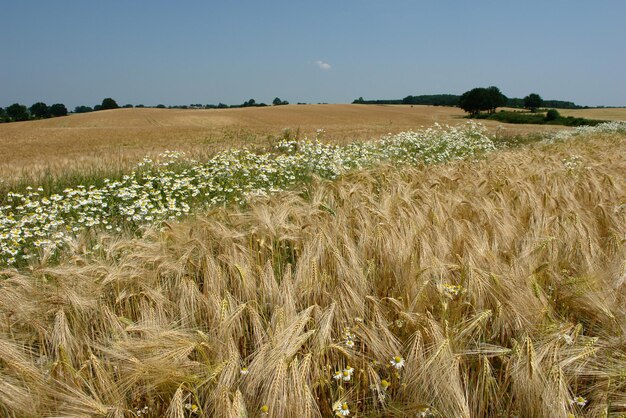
point(572, 163)
point(451, 291)
point(613, 127)
point(172, 186)
point(345, 374)
point(348, 338)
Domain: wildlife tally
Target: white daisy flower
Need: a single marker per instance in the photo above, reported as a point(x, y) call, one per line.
point(397, 362)
point(341, 410)
point(192, 407)
point(579, 400)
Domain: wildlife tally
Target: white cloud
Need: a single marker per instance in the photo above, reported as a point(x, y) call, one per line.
point(323, 65)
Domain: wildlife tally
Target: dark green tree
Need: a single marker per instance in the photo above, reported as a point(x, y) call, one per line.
point(475, 100)
point(533, 101)
point(58, 109)
point(17, 112)
point(109, 103)
point(496, 98)
point(3, 115)
point(40, 110)
point(160, 106)
point(278, 102)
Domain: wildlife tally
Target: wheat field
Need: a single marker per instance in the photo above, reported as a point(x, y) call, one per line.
point(114, 140)
point(491, 287)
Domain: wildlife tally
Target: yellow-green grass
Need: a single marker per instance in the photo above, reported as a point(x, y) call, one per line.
point(498, 283)
point(114, 140)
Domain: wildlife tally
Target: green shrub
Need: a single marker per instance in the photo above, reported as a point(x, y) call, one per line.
point(551, 118)
point(552, 114)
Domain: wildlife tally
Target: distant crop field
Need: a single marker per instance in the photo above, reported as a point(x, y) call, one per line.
point(602, 114)
point(119, 138)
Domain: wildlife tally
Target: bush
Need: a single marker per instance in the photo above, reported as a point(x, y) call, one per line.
point(552, 114)
point(552, 118)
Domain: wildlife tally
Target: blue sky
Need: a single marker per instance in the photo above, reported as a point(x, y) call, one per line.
point(150, 52)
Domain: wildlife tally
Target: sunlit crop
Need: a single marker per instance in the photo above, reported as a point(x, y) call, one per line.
point(482, 287)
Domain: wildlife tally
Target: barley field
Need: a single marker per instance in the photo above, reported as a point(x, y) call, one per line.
point(467, 281)
point(111, 141)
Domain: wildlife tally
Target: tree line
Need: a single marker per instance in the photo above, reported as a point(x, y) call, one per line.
point(248, 103)
point(453, 100)
point(18, 112)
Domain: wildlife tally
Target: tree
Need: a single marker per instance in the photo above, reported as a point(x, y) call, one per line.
point(250, 102)
point(17, 112)
point(40, 110)
point(475, 100)
point(496, 98)
point(3, 116)
point(278, 102)
point(58, 109)
point(533, 101)
point(128, 106)
point(160, 106)
point(480, 98)
point(109, 103)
